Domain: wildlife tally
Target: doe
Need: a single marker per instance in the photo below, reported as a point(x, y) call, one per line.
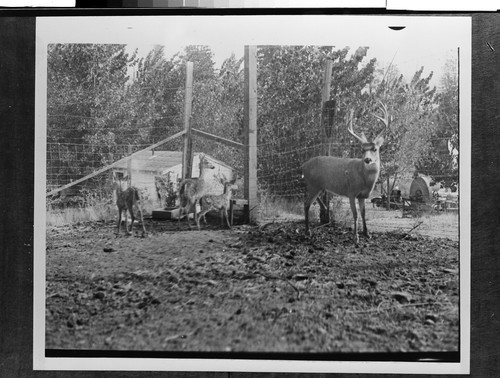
point(192, 189)
point(352, 178)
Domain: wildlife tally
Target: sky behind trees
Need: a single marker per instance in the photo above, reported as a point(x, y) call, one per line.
point(425, 41)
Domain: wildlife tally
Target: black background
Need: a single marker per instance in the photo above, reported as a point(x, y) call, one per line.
point(17, 116)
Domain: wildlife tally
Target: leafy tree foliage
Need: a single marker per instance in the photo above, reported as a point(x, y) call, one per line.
point(441, 161)
point(412, 124)
point(290, 82)
point(85, 102)
point(82, 80)
point(106, 98)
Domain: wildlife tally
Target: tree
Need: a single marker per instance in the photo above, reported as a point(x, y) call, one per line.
point(153, 110)
point(85, 97)
point(290, 79)
point(441, 162)
point(217, 100)
point(412, 107)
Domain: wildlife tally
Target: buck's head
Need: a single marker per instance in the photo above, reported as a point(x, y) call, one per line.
point(371, 150)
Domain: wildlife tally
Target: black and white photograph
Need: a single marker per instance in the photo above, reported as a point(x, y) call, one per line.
point(253, 193)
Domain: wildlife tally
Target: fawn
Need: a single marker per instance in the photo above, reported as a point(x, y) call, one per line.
point(192, 189)
point(219, 202)
point(126, 199)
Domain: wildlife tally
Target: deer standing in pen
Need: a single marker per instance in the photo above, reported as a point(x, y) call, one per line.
point(353, 178)
point(192, 189)
point(219, 202)
point(126, 199)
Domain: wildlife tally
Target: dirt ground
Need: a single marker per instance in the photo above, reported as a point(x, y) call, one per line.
point(253, 288)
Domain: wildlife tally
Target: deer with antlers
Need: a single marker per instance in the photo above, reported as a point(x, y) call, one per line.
point(352, 178)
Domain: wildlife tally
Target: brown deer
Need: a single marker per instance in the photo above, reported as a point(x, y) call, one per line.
point(192, 189)
point(219, 202)
point(126, 199)
point(353, 178)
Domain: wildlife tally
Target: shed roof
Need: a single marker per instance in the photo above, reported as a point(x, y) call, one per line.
point(159, 161)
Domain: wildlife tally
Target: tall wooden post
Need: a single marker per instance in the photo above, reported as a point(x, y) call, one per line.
point(324, 210)
point(250, 122)
point(129, 166)
point(187, 153)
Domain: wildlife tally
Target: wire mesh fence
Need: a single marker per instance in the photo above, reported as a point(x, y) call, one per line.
point(84, 140)
point(299, 138)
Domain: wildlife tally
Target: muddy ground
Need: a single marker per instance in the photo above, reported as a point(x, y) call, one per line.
point(266, 288)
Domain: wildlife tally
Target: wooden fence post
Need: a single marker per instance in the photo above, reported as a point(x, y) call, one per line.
point(129, 166)
point(324, 209)
point(187, 153)
point(250, 122)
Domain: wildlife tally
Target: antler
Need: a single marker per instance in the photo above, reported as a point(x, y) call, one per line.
point(385, 118)
point(361, 138)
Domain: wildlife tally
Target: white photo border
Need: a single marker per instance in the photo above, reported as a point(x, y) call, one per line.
point(252, 30)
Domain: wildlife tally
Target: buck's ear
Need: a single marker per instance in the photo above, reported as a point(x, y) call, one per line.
point(378, 141)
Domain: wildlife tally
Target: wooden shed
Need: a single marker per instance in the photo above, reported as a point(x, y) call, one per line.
point(146, 166)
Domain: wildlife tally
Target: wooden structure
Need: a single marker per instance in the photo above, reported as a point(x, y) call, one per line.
point(188, 142)
point(250, 124)
point(110, 166)
point(249, 147)
point(143, 170)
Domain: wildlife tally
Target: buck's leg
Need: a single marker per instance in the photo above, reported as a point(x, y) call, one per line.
point(322, 205)
point(307, 204)
point(361, 202)
point(352, 201)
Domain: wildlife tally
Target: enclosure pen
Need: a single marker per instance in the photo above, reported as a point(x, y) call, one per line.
point(240, 139)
